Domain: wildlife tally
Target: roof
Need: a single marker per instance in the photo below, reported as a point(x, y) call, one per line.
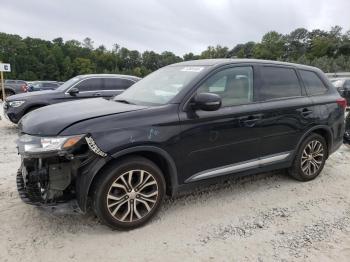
point(109, 75)
point(223, 61)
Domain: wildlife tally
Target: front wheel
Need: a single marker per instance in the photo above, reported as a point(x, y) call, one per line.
point(310, 158)
point(127, 195)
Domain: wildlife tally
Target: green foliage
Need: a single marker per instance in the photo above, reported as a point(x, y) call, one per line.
point(37, 59)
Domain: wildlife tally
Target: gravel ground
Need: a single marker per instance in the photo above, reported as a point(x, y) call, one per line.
point(267, 217)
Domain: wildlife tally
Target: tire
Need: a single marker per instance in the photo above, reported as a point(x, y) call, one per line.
point(124, 205)
point(310, 158)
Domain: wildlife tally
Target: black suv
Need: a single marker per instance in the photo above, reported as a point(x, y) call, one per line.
point(184, 124)
point(80, 87)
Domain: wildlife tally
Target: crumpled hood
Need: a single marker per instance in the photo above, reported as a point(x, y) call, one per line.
point(51, 120)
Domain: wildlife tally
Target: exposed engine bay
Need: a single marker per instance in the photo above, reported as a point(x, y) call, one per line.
point(50, 179)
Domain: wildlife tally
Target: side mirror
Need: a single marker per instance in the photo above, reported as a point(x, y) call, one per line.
point(73, 91)
point(207, 101)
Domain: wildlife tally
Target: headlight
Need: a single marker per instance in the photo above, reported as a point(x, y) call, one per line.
point(36, 144)
point(16, 103)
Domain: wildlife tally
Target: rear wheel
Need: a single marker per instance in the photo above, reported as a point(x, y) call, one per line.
point(310, 159)
point(128, 194)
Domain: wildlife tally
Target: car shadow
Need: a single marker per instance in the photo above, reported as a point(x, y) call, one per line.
point(228, 188)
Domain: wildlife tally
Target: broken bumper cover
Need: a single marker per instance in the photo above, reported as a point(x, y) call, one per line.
point(55, 177)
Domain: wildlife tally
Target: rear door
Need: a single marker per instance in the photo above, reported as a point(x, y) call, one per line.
point(286, 111)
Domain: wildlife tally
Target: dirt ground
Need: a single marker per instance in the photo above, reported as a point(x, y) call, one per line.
point(267, 217)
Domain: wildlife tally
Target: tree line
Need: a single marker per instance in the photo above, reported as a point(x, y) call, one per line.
point(38, 59)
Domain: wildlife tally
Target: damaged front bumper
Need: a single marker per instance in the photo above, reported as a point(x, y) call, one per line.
point(56, 178)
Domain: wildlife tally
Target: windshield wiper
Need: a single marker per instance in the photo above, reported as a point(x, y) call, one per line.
point(123, 101)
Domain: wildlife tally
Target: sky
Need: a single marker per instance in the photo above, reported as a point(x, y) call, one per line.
point(180, 26)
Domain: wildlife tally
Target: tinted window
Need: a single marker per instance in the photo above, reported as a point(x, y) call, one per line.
point(313, 84)
point(21, 82)
point(50, 85)
point(10, 82)
point(234, 85)
point(91, 84)
point(279, 82)
point(116, 83)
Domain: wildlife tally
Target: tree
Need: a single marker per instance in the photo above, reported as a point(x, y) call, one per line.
point(88, 43)
point(38, 59)
point(82, 66)
point(215, 52)
point(272, 47)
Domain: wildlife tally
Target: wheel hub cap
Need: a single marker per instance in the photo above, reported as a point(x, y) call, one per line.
point(132, 195)
point(312, 157)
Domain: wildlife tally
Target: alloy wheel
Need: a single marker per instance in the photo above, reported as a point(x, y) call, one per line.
point(312, 158)
point(132, 195)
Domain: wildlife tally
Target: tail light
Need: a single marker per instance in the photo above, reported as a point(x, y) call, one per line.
point(342, 102)
point(24, 88)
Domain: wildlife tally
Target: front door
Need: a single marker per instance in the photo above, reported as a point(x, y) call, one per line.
point(88, 88)
point(224, 141)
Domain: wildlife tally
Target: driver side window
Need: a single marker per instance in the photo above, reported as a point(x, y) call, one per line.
point(233, 85)
point(91, 84)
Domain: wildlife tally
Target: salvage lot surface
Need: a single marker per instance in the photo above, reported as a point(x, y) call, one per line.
point(267, 217)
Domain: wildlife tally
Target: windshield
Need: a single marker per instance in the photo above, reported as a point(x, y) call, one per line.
point(161, 86)
point(68, 83)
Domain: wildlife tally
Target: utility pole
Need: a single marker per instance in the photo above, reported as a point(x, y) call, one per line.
point(3, 68)
point(2, 86)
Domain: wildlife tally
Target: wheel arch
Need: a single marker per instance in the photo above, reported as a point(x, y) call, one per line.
point(155, 154)
point(323, 131)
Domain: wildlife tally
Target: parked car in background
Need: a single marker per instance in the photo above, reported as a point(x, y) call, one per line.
point(347, 131)
point(80, 87)
point(13, 87)
point(188, 123)
point(43, 85)
point(343, 87)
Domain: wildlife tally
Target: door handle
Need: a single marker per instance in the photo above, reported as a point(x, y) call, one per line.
point(249, 121)
point(97, 94)
point(306, 112)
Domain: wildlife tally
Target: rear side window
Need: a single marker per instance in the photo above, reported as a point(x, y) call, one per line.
point(117, 83)
point(279, 82)
point(312, 82)
point(92, 84)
